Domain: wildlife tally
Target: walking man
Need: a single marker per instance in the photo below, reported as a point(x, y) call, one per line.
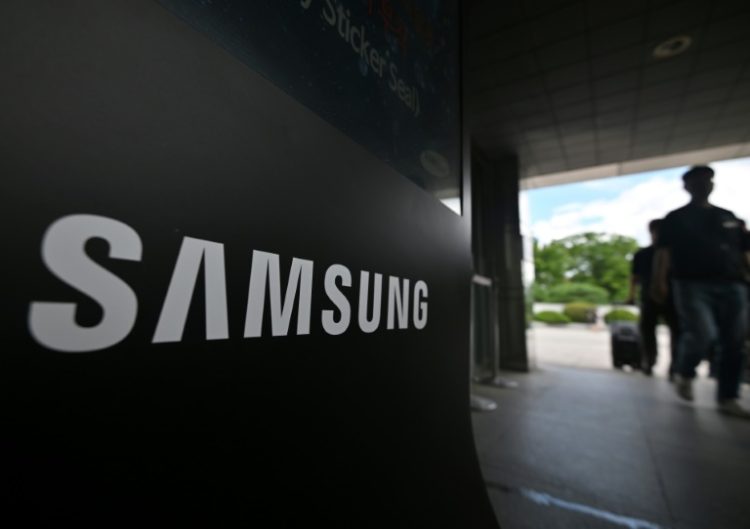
point(651, 311)
point(704, 249)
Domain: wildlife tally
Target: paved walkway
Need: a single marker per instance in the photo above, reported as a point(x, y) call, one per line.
point(587, 346)
point(595, 448)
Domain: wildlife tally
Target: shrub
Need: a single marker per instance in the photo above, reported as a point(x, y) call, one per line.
point(550, 316)
point(580, 312)
point(570, 292)
point(620, 315)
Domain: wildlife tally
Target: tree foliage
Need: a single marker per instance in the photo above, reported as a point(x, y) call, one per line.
point(594, 258)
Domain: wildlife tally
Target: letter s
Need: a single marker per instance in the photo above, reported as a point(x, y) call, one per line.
point(330, 325)
point(53, 324)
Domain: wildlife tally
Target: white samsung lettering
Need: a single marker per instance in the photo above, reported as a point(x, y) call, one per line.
point(266, 265)
point(420, 304)
point(365, 323)
point(53, 324)
point(174, 312)
point(398, 302)
point(330, 324)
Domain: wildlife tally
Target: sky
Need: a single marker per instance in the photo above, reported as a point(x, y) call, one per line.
point(625, 204)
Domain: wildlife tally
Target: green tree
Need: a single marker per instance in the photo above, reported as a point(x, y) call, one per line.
point(551, 263)
point(595, 258)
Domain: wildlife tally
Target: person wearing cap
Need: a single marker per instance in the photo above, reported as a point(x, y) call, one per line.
point(704, 250)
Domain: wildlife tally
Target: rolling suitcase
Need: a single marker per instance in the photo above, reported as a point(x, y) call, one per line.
point(626, 344)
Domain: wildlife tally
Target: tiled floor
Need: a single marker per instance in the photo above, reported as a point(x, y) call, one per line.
point(603, 449)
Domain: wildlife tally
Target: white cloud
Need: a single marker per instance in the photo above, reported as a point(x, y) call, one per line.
point(630, 211)
point(732, 189)
point(607, 184)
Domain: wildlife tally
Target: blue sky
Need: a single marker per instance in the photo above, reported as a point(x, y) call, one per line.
point(625, 204)
point(546, 200)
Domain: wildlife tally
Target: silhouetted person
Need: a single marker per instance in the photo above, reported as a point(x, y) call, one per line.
point(746, 374)
point(651, 311)
point(705, 250)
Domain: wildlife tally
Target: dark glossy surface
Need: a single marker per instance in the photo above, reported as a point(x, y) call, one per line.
point(122, 110)
point(616, 442)
point(384, 73)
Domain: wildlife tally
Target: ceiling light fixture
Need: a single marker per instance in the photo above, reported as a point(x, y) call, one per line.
point(672, 47)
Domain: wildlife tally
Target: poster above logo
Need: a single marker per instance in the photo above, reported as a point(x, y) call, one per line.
point(385, 72)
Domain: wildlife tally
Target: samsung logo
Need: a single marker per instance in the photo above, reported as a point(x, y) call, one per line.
point(53, 324)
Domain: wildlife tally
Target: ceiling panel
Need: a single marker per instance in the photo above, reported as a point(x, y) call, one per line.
point(570, 84)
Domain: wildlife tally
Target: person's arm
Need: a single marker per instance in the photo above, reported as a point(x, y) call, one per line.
point(636, 270)
point(660, 281)
point(634, 282)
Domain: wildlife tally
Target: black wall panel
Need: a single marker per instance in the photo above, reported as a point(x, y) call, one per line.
point(120, 110)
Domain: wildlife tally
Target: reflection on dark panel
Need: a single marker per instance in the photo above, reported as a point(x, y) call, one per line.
point(385, 72)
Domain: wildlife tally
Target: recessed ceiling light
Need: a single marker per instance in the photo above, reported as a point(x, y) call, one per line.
point(671, 47)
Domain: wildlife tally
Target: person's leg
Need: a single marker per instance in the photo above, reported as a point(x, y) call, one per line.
point(731, 314)
point(697, 330)
point(712, 357)
point(647, 326)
